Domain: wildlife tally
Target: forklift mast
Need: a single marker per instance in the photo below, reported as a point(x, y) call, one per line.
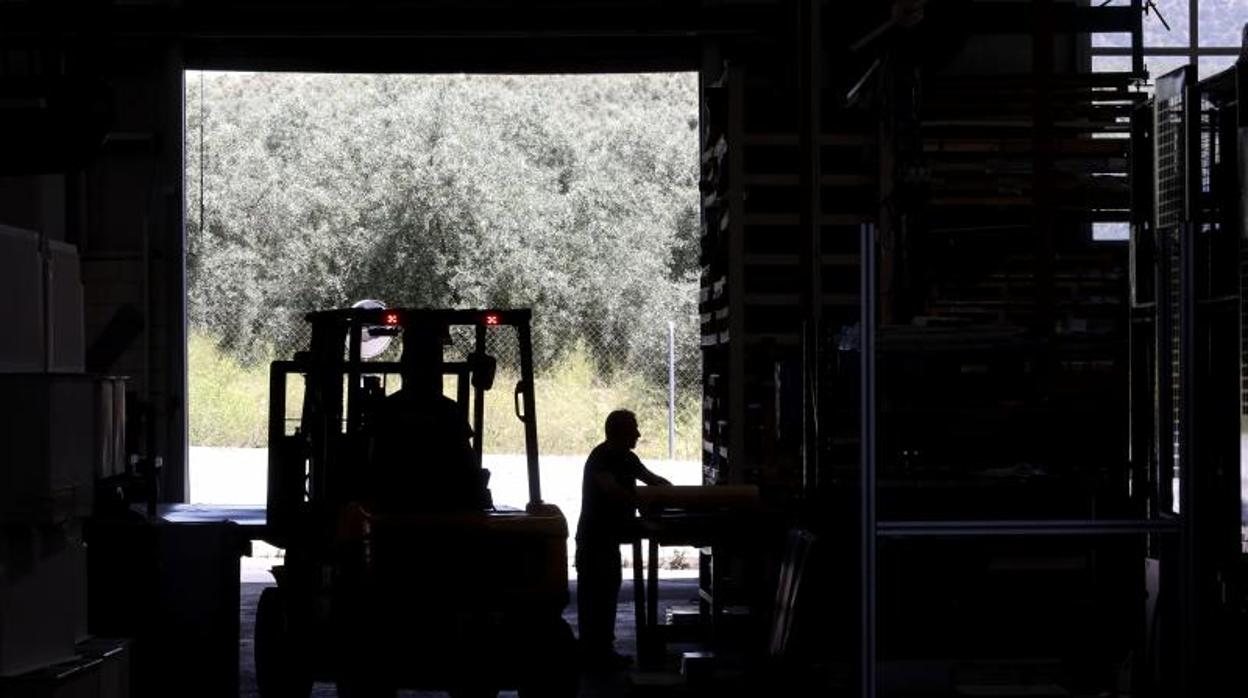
point(310, 469)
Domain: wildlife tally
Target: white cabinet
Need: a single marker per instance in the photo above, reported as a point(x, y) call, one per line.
point(21, 301)
point(28, 279)
point(47, 445)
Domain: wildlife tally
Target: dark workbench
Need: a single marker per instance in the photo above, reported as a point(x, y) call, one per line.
point(706, 531)
point(250, 517)
point(172, 584)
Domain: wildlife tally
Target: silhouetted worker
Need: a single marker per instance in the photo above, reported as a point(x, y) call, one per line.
point(421, 457)
point(608, 500)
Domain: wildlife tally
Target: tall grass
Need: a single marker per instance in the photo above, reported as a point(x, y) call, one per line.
point(228, 406)
point(227, 401)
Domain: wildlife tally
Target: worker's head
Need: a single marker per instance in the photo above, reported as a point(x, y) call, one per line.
point(421, 362)
point(621, 428)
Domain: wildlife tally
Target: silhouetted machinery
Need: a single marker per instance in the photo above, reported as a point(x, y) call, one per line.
point(399, 571)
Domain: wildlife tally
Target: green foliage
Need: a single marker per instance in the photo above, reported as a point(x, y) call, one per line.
point(574, 195)
point(228, 405)
point(228, 401)
point(573, 400)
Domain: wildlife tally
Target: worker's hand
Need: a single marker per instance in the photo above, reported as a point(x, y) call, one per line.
point(907, 13)
point(664, 481)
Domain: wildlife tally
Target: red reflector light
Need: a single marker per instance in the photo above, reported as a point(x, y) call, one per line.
point(491, 319)
point(391, 318)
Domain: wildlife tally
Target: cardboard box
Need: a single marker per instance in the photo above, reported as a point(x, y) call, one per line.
point(46, 450)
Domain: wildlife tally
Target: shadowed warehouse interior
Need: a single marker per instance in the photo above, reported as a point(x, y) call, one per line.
point(970, 312)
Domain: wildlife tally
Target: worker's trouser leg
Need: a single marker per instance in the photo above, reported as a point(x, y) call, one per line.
point(598, 578)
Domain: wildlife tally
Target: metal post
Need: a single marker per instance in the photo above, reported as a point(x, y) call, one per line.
point(1192, 606)
point(671, 390)
point(1137, 37)
point(1193, 34)
point(810, 214)
point(867, 252)
point(530, 410)
point(731, 456)
point(478, 406)
point(355, 331)
point(46, 281)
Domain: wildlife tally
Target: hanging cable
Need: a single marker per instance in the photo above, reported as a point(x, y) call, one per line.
point(202, 154)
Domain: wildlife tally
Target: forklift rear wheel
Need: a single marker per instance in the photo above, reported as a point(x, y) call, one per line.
point(280, 672)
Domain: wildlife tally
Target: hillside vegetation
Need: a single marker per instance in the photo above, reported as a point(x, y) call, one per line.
point(574, 195)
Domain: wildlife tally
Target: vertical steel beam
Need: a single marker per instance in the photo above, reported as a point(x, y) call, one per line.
point(1043, 186)
point(1191, 606)
point(355, 332)
point(734, 462)
point(530, 413)
point(478, 406)
point(868, 589)
point(809, 88)
point(1163, 419)
point(172, 215)
point(275, 495)
point(1137, 37)
point(1193, 31)
point(1143, 299)
point(336, 473)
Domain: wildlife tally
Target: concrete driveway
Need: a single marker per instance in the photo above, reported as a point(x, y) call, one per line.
point(238, 476)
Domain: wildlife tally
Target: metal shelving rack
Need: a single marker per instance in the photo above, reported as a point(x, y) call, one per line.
point(1187, 315)
point(1056, 116)
point(757, 283)
point(771, 205)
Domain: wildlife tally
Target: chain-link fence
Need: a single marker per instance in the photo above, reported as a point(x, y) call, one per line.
point(577, 384)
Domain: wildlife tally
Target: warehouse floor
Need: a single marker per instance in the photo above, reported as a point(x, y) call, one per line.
point(671, 591)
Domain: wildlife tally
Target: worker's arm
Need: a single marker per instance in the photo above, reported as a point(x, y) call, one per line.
point(608, 486)
point(650, 478)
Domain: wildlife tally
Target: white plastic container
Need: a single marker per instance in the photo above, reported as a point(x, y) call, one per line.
point(30, 338)
point(47, 434)
point(21, 313)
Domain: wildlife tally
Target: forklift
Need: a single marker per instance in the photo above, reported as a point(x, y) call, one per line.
point(390, 580)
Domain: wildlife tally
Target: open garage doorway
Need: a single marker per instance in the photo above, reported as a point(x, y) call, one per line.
point(576, 196)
